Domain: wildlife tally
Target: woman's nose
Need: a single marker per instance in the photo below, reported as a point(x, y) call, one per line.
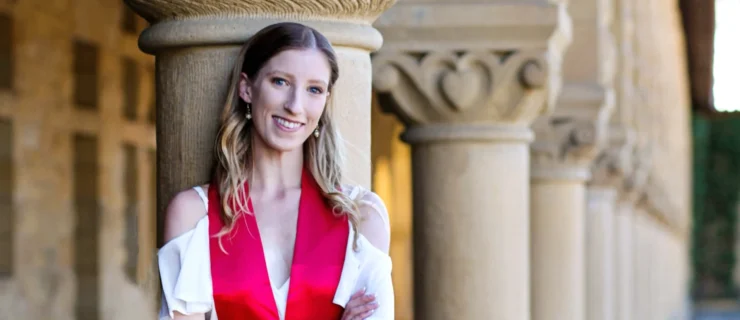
point(293, 103)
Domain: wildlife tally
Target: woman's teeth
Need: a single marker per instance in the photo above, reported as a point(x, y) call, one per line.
point(288, 124)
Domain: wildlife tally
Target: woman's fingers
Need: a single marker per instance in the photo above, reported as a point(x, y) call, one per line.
point(360, 300)
point(360, 306)
point(365, 315)
point(366, 310)
point(357, 294)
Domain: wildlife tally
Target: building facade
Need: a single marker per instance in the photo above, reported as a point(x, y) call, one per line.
point(534, 156)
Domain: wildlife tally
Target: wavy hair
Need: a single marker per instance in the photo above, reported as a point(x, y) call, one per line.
point(323, 155)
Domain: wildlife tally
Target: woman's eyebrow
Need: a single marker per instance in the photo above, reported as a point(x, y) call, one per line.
point(278, 72)
point(317, 81)
point(289, 75)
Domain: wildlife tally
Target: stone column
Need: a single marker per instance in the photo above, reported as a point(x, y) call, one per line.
point(623, 119)
point(195, 43)
point(625, 225)
point(600, 252)
point(567, 142)
point(624, 275)
point(608, 173)
point(643, 294)
point(658, 295)
point(467, 80)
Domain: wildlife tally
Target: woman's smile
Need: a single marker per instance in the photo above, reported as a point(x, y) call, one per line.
point(287, 125)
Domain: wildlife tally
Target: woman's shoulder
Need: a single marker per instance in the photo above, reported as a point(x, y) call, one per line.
point(184, 260)
point(184, 211)
point(374, 223)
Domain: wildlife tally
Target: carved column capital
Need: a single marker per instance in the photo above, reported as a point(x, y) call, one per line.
point(451, 63)
point(614, 163)
point(361, 11)
point(636, 182)
point(469, 87)
point(184, 23)
point(568, 140)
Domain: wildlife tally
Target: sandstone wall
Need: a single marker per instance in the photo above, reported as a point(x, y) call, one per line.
point(663, 107)
point(77, 143)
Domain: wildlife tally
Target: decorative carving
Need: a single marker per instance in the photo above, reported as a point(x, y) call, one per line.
point(614, 163)
point(158, 10)
point(532, 75)
point(189, 23)
point(471, 87)
point(636, 182)
point(659, 204)
point(576, 131)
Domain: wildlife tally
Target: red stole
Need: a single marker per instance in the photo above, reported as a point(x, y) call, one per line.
point(241, 285)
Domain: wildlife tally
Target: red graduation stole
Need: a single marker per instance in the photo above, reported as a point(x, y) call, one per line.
point(241, 284)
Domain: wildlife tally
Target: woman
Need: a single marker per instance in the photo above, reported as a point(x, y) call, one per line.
point(275, 235)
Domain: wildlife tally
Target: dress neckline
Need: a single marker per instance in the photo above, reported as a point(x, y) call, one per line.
point(284, 289)
point(241, 282)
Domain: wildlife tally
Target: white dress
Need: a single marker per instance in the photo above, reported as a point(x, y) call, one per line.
point(185, 271)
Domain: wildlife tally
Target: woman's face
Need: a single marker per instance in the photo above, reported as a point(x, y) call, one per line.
point(288, 97)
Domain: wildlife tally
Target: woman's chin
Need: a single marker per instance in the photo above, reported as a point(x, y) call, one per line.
point(284, 145)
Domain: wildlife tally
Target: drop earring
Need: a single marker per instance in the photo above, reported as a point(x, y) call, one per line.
point(316, 132)
point(249, 111)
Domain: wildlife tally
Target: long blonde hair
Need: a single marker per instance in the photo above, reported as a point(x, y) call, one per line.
point(323, 155)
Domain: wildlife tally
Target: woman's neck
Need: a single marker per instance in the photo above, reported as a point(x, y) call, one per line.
point(275, 171)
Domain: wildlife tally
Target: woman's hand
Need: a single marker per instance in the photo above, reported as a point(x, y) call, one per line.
point(360, 306)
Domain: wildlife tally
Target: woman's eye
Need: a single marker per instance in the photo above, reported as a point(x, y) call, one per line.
point(279, 81)
point(315, 90)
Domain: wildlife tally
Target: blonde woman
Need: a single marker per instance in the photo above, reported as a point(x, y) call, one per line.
point(274, 235)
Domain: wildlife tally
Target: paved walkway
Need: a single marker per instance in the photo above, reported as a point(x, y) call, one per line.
point(717, 315)
point(721, 310)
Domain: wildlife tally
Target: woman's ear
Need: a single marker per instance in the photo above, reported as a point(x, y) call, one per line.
point(245, 88)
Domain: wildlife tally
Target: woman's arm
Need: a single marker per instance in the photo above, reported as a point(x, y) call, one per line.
point(182, 215)
point(382, 286)
point(375, 227)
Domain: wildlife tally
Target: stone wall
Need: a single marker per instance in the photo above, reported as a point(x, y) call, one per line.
point(663, 107)
point(662, 114)
point(77, 137)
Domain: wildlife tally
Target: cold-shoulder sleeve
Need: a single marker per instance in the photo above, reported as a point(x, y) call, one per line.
point(185, 272)
point(378, 281)
point(374, 224)
point(370, 268)
point(368, 198)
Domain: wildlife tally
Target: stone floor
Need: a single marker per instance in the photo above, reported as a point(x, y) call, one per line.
point(717, 310)
point(717, 315)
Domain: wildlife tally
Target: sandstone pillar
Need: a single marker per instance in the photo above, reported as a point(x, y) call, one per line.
point(558, 246)
point(643, 295)
point(633, 174)
point(467, 80)
point(625, 234)
point(600, 252)
point(624, 273)
point(567, 142)
point(633, 241)
point(608, 173)
point(195, 43)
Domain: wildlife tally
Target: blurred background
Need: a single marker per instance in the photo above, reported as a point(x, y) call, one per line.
point(650, 234)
